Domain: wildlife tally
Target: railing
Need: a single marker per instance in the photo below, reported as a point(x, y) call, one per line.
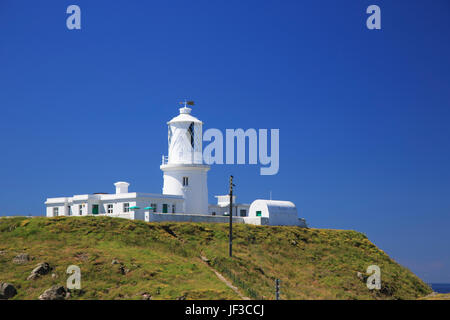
point(184, 160)
point(237, 281)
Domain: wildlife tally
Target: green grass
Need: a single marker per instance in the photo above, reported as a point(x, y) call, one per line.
point(163, 260)
point(438, 296)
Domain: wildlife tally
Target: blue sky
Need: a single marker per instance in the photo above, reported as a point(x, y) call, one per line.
point(363, 114)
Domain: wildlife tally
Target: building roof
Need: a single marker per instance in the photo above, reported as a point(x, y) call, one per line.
point(185, 116)
point(275, 203)
point(110, 197)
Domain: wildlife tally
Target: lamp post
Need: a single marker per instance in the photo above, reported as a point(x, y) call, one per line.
point(231, 216)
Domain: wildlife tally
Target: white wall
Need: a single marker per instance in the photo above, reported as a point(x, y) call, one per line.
point(158, 217)
point(220, 211)
point(195, 194)
point(280, 213)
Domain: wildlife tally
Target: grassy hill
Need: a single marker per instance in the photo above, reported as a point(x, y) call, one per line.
point(163, 260)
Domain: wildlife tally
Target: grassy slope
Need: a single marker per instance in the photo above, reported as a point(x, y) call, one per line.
point(163, 259)
point(439, 296)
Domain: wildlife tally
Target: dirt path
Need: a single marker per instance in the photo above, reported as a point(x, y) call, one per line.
point(223, 279)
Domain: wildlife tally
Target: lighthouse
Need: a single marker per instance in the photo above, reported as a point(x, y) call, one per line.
point(183, 169)
point(184, 195)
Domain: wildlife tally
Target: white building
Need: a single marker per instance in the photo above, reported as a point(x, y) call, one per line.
point(120, 204)
point(185, 190)
point(279, 213)
point(184, 172)
point(222, 207)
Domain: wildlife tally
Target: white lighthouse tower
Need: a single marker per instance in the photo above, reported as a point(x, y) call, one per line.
point(184, 171)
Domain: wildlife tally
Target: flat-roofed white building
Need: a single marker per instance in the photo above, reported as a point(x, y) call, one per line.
point(222, 208)
point(123, 204)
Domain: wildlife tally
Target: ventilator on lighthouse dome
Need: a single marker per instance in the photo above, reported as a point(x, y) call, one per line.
point(183, 168)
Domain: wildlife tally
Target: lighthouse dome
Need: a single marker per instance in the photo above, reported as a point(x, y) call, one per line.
point(185, 116)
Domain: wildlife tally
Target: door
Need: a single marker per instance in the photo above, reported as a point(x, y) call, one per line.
point(95, 209)
point(165, 208)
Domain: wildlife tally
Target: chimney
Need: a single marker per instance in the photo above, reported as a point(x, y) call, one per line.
point(121, 187)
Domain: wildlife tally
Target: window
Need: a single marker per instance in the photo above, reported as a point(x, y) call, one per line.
point(243, 212)
point(109, 208)
point(173, 208)
point(185, 181)
point(126, 207)
point(154, 206)
point(80, 209)
point(213, 213)
point(258, 213)
point(190, 134)
point(55, 211)
point(165, 208)
point(68, 211)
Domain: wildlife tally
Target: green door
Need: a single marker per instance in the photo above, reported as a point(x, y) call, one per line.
point(165, 208)
point(95, 209)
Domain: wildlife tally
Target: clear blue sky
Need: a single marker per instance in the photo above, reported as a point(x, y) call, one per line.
point(364, 116)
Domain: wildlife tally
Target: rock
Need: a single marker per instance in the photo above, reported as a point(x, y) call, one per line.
point(54, 276)
point(21, 258)
point(361, 276)
point(181, 298)
point(33, 276)
point(205, 259)
point(54, 293)
point(146, 296)
point(123, 270)
point(42, 268)
point(115, 261)
point(7, 290)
